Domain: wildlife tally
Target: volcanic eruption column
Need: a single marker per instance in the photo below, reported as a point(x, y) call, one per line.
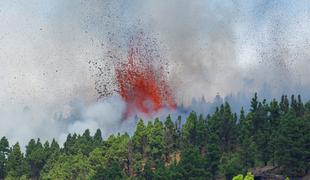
point(142, 85)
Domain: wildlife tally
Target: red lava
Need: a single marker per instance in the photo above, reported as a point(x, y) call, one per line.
point(143, 87)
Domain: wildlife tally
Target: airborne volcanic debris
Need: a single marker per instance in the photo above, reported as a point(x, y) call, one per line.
point(140, 77)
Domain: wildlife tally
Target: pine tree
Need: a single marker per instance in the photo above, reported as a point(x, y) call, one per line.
point(170, 138)
point(69, 145)
point(292, 149)
point(294, 107)
point(4, 152)
point(230, 165)
point(254, 103)
point(54, 147)
point(98, 138)
point(16, 163)
point(247, 145)
point(155, 140)
point(224, 124)
point(30, 147)
point(275, 115)
point(139, 140)
point(36, 158)
point(263, 132)
point(284, 105)
point(192, 164)
point(213, 155)
point(189, 129)
point(85, 143)
point(46, 146)
point(113, 170)
point(201, 134)
point(300, 106)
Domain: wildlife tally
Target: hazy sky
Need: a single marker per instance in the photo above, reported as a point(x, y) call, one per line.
point(45, 45)
point(213, 47)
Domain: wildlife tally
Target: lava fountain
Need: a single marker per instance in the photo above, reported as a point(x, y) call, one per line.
point(141, 78)
point(142, 85)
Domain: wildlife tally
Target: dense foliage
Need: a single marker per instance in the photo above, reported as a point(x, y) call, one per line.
point(223, 144)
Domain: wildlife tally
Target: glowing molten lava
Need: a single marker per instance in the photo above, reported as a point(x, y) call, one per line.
point(142, 86)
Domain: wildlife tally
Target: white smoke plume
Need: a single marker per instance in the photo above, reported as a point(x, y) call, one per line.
point(22, 124)
point(230, 47)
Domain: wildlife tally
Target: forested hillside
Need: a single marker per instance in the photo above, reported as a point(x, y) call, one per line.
point(220, 145)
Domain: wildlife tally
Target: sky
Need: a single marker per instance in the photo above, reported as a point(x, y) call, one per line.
point(227, 47)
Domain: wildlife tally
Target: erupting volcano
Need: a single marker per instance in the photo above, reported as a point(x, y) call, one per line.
point(139, 76)
point(142, 85)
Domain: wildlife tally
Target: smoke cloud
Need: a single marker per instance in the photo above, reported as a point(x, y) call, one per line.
point(232, 48)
